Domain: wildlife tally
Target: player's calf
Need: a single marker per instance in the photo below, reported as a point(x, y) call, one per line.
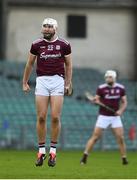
point(122, 147)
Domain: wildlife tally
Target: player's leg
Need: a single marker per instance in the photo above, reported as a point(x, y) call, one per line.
point(90, 144)
point(101, 124)
point(42, 109)
point(56, 103)
point(118, 130)
point(119, 134)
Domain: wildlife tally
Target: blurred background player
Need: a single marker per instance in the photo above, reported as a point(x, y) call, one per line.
point(54, 73)
point(113, 95)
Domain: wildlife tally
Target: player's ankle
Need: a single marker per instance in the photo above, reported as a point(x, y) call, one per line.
point(86, 153)
point(53, 148)
point(42, 149)
point(124, 157)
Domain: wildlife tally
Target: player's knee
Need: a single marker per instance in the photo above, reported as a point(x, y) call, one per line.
point(41, 119)
point(120, 139)
point(55, 119)
point(95, 137)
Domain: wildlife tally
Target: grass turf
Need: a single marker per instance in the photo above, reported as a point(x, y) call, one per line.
point(104, 165)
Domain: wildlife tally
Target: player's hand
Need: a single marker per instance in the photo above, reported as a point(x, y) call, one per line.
point(26, 87)
point(118, 113)
point(95, 100)
point(68, 89)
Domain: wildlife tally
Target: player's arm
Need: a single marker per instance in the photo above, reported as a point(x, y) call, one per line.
point(97, 97)
point(123, 105)
point(27, 72)
point(68, 71)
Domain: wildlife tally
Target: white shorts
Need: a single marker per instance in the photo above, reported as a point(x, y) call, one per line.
point(106, 121)
point(49, 86)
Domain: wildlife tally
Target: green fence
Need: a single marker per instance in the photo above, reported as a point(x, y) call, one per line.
point(18, 116)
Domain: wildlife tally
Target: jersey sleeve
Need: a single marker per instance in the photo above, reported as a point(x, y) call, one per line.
point(99, 92)
point(123, 92)
point(67, 49)
point(33, 49)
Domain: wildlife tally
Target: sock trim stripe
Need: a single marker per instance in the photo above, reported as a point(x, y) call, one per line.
point(53, 145)
point(52, 142)
point(41, 146)
point(43, 143)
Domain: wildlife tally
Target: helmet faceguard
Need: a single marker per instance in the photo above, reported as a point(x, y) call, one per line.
point(110, 77)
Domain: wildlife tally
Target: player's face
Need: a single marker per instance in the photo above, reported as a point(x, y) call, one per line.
point(109, 80)
point(48, 31)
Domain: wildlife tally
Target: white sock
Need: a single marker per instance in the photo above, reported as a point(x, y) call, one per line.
point(85, 152)
point(124, 156)
point(52, 150)
point(42, 150)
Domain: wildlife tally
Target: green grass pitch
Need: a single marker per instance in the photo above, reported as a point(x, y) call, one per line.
point(101, 165)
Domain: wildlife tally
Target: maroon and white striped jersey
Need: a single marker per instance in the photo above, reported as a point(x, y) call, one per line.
point(50, 56)
point(111, 97)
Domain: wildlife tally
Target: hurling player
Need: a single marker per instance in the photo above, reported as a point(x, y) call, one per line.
point(113, 95)
point(54, 73)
